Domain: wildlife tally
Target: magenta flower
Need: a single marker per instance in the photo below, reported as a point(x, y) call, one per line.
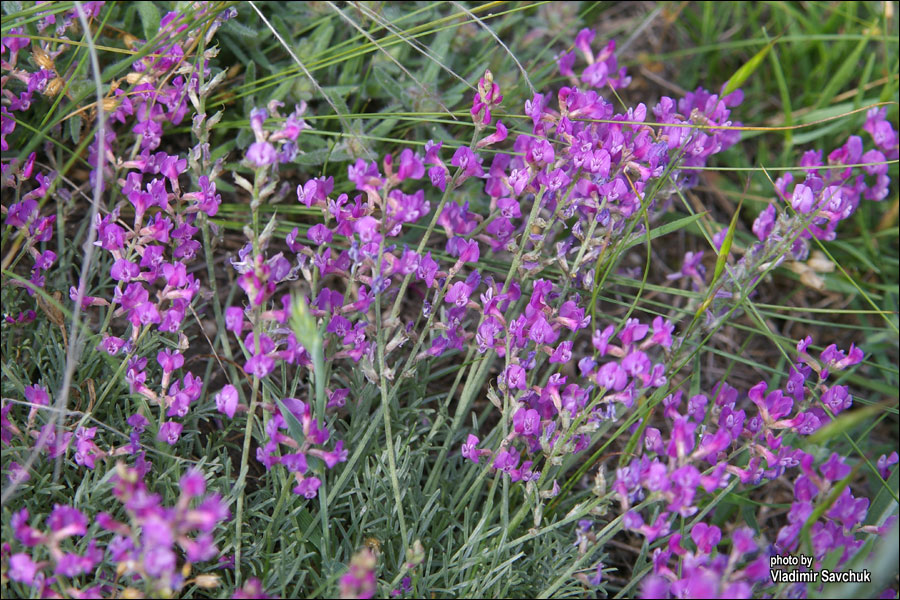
point(706, 536)
point(169, 360)
point(308, 487)
point(252, 589)
point(192, 483)
point(22, 568)
point(234, 319)
point(360, 580)
point(319, 234)
point(527, 421)
point(411, 166)
point(260, 365)
point(469, 448)
point(468, 161)
point(261, 154)
point(22, 213)
point(169, 432)
point(803, 199)
point(367, 228)
point(563, 353)
point(884, 463)
point(227, 400)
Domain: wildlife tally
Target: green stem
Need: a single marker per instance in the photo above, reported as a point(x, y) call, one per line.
point(241, 483)
point(451, 187)
point(385, 403)
point(468, 393)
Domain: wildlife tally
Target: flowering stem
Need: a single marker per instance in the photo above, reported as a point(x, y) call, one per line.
point(478, 371)
point(115, 378)
point(214, 288)
point(259, 174)
point(207, 241)
point(239, 485)
point(385, 403)
point(395, 309)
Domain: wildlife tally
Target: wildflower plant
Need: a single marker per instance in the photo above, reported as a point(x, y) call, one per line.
point(349, 313)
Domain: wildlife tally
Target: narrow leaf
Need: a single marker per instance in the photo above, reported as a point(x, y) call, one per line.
point(294, 426)
point(844, 423)
point(726, 246)
point(744, 72)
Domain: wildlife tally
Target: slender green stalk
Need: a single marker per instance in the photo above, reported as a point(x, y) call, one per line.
point(240, 485)
point(480, 369)
point(385, 406)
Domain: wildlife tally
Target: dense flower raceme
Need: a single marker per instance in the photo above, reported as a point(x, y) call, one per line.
point(45, 80)
point(145, 548)
point(25, 217)
point(565, 195)
point(712, 443)
point(619, 371)
point(569, 166)
point(830, 193)
point(152, 246)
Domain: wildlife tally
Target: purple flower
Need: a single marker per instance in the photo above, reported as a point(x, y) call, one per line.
point(632, 520)
point(802, 199)
point(169, 432)
point(884, 463)
point(662, 332)
point(458, 294)
point(563, 353)
point(633, 331)
point(438, 176)
point(835, 359)
point(364, 175)
point(260, 365)
point(515, 377)
point(123, 270)
point(308, 487)
point(468, 162)
point(192, 483)
point(469, 448)
point(169, 360)
point(495, 138)
point(252, 589)
point(138, 422)
point(527, 421)
point(706, 537)
point(468, 251)
point(367, 227)
point(37, 394)
point(65, 521)
point(411, 166)
point(22, 568)
point(541, 332)
point(600, 339)
point(234, 319)
point(319, 234)
point(227, 400)
point(612, 377)
point(261, 154)
point(506, 460)
point(765, 223)
point(427, 270)
point(837, 398)
point(834, 468)
point(111, 345)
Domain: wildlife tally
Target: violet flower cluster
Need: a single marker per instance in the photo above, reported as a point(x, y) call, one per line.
point(830, 193)
point(576, 186)
point(145, 550)
point(711, 444)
